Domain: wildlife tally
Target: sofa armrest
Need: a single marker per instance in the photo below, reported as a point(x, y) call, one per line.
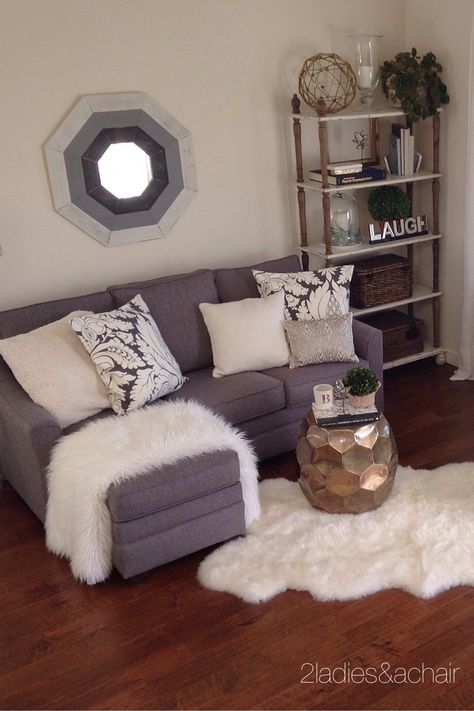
point(20, 406)
point(27, 434)
point(368, 344)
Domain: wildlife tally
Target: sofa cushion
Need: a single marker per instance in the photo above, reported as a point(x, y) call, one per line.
point(51, 366)
point(147, 553)
point(299, 382)
point(174, 484)
point(309, 295)
point(174, 304)
point(28, 318)
point(125, 532)
point(328, 340)
point(238, 397)
point(130, 355)
point(246, 335)
point(237, 284)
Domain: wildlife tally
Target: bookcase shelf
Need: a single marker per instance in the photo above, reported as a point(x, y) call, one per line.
point(389, 180)
point(353, 114)
point(419, 293)
point(324, 250)
point(365, 249)
point(428, 352)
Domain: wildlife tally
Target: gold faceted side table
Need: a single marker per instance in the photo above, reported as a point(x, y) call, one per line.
point(346, 470)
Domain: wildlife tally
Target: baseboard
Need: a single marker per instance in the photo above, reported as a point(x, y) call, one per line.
point(452, 358)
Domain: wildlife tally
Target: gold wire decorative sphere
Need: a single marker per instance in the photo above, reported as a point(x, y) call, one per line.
point(327, 83)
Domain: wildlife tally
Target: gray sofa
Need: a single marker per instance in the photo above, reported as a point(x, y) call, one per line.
point(193, 504)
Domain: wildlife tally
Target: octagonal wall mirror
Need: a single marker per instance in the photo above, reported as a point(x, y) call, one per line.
point(121, 168)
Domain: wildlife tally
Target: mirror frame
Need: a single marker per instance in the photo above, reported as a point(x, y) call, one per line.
point(75, 147)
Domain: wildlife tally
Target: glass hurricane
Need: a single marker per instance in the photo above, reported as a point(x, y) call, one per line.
point(366, 66)
point(344, 216)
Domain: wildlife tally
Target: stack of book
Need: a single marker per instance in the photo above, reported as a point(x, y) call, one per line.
point(342, 415)
point(402, 158)
point(349, 173)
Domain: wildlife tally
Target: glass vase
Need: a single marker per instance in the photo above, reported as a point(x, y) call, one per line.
point(366, 66)
point(344, 217)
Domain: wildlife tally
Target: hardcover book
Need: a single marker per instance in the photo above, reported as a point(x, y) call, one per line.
point(402, 158)
point(345, 415)
point(344, 168)
point(363, 176)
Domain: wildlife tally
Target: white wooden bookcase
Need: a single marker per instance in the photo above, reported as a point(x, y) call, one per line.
point(320, 246)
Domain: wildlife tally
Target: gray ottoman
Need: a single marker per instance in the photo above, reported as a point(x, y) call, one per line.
point(174, 511)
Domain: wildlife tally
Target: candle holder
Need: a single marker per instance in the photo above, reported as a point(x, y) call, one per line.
point(344, 217)
point(341, 393)
point(366, 66)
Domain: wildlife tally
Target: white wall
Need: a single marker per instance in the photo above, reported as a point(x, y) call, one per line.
point(444, 27)
point(224, 68)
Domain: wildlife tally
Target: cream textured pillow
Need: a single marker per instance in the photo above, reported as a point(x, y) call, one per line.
point(53, 368)
point(246, 335)
point(328, 340)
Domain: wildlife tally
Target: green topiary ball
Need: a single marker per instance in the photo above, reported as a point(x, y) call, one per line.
point(361, 381)
point(389, 202)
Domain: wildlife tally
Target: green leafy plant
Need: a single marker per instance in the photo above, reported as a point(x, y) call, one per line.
point(389, 202)
point(361, 381)
point(414, 82)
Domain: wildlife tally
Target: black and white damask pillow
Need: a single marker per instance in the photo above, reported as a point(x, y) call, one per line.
point(310, 295)
point(130, 355)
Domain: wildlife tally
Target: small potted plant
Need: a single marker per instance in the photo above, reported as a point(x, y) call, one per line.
point(387, 203)
point(413, 82)
point(362, 384)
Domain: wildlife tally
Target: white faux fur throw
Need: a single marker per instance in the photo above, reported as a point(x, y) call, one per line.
point(421, 540)
point(85, 463)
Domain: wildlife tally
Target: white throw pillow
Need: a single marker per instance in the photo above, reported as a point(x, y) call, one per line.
point(53, 368)
point(246, 335)
point(130, 355)
point(309, 295)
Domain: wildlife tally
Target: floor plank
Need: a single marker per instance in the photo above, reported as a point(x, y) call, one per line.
point(163, 642)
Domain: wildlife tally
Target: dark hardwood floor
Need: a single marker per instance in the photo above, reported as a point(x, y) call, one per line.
point(163, 642)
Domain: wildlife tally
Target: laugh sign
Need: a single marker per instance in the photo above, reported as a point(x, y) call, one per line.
point(398, 229)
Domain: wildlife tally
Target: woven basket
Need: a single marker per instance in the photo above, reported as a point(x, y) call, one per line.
point(402, 335)
point(379, 280)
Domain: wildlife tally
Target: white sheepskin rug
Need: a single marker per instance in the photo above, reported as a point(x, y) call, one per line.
point(421, 540)
point(85, 463)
